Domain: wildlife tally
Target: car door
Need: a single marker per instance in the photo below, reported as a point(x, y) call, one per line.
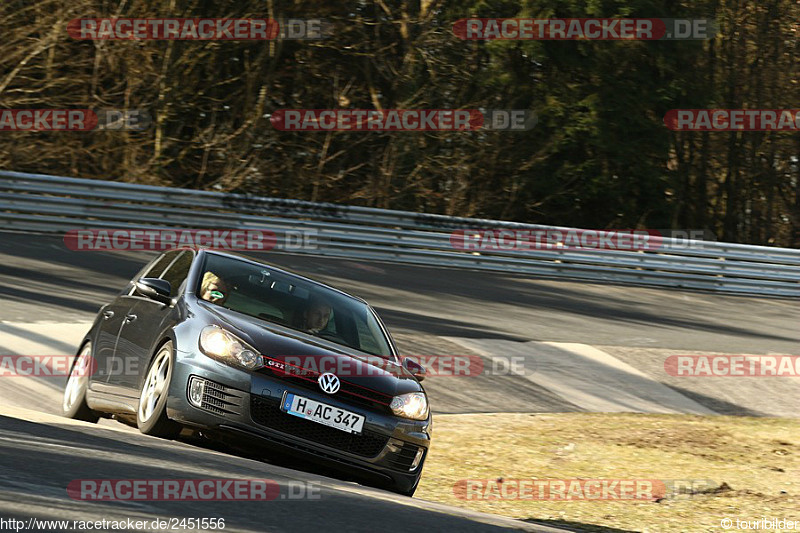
point(112, 318)
point(141, 326)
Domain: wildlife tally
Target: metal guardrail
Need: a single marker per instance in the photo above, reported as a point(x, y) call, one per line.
point(52, 204)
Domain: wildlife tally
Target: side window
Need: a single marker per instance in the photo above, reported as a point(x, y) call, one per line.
point(152, 270)
point(160, 264)
point(178, 271)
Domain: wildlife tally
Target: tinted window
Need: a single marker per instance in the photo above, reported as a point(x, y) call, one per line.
point(279, 297)
point(178, 271)
point(160, 264)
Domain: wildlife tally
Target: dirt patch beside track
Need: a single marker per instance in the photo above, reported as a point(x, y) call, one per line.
point(746, 468)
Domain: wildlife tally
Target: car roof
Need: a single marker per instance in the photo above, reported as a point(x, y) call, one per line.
point(261, 262)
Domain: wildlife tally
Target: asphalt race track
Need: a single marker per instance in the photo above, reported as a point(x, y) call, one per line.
point(43, 280)
point(585, 347)
point(57, 452)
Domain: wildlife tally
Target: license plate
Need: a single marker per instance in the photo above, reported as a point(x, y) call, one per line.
point(323, 413)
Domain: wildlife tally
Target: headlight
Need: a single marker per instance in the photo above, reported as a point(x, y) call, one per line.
point(413, 405)
point(225, 346)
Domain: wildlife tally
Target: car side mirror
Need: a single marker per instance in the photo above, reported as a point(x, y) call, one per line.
point(416, 369)
point(155, 288)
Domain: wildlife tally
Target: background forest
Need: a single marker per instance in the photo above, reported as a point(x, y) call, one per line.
point(599, 156)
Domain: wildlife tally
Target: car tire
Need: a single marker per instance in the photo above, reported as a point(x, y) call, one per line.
point(151, 413)
point(74, 403)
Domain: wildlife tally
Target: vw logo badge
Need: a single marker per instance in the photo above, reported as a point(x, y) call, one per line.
point(329, 383)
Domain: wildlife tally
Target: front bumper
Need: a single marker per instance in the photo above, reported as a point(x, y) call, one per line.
point(247, 405)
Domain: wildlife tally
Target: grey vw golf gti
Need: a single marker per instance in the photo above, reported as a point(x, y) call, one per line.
point(239, 348)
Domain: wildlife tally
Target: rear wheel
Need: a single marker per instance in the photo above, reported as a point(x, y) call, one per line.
point(74, 404)
point(151, 416)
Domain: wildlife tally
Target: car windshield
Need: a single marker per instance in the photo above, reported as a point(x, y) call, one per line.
point(274, 296)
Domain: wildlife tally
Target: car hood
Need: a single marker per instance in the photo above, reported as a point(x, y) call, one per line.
point(293, 352)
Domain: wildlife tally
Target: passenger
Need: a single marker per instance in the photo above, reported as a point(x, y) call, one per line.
point(213, 289)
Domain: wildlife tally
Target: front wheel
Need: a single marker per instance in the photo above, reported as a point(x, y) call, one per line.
point(151, 416)
point(74, 404)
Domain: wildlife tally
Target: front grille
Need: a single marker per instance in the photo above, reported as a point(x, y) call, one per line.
point(267, 412)
point(310, 449)
point(220, 399)
point(354, 394)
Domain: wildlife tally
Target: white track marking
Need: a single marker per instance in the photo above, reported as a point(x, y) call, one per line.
point(588, 378)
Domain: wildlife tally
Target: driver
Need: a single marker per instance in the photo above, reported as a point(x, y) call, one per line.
point(317, 315)
point(213, 289)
